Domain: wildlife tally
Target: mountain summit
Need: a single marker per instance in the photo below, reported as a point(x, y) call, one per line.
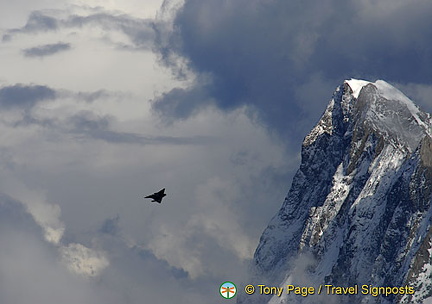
point(359, 209)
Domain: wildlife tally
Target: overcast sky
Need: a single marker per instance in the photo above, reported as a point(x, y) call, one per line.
point(104, 102)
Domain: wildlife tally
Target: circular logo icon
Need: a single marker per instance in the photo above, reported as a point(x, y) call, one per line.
point(228, 290)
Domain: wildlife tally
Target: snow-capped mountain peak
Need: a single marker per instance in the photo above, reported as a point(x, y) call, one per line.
point(378, 107)
point(390, 113)
point(359, 209)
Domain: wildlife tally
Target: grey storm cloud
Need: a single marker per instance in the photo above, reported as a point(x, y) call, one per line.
point(31, 272)
point(92, 96)
point(20, 95)
point(84, 124)
point(46, 50)
point(27, 96)
point(139, 31)
point(38, 22)
point(133, 138)
point(111, 236)
point(111, 226)
point(181, 103)
point(26, 260)
point(13, 214)
point(92, 126)
point(264, 53)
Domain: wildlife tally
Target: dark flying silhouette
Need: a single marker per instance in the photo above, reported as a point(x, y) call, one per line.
point(158, 196)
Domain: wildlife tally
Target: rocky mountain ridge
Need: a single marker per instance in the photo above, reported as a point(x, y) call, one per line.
point(359, 208)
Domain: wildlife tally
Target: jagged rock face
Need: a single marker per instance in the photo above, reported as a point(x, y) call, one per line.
point(360, 203)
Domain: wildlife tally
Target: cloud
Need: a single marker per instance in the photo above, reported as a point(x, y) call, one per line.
point(301, 275)
point(84, 124)
point(135, 273)
point(260, 53)
point(209, 217)
point(38, 22)
point(13, 214)
point(88, 124)
point(89, 154)
point(30, 269)
point(37, 272)
point(46, 50)
point(133, 138)
point(139, 31)
point(24, 96)
point(181, 103)
point(83, 260)
point(111, 226)
point(92, 96)
point(28, 95)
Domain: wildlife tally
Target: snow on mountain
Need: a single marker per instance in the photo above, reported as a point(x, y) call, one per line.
point(359, 209)
point(356, 85)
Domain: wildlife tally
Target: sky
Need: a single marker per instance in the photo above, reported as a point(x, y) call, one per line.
point(104, 102)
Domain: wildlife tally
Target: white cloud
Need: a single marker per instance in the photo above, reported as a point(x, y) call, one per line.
point(31, 272)
point(47, 215)
point(147, 9)
point(83, 260)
